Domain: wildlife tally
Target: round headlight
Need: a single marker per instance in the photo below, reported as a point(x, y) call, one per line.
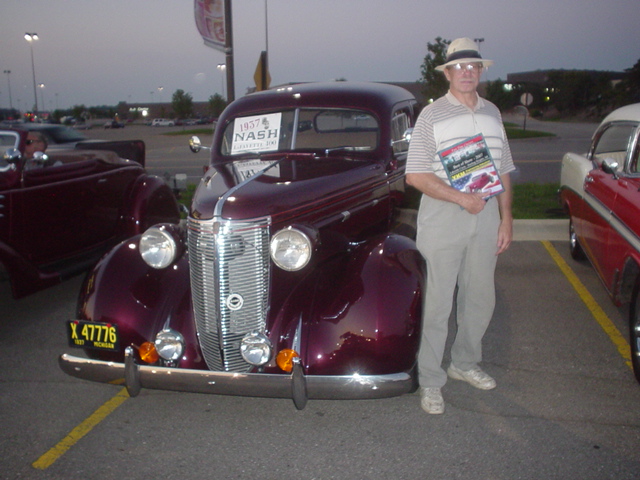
point(157, 247)
point(169, 344)
point(290, 249)
point(256, 348)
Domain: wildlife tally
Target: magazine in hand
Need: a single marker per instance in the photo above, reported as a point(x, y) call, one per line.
point(471, 168)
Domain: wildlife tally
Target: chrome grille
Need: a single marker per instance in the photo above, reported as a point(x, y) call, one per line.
point(229, 263)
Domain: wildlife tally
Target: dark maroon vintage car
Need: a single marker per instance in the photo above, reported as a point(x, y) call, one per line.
point(288, 279)
point(60, 212)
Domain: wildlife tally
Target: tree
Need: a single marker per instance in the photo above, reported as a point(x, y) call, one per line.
point(182, 104)
point(630, 85)
point(216, 105)
point(434, 83)
point(502, 98)
point(576, 90)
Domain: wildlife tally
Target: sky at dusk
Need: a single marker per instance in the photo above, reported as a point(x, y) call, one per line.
point(102, 52)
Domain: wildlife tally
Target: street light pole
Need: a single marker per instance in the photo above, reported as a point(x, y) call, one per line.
point(32, 37)
point(480, 41)
point(222, 67)
point(266, 37)
point(8, 72)
point(44, 105)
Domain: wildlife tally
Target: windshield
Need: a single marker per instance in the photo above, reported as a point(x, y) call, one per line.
point(302, 129)
point(63, 135)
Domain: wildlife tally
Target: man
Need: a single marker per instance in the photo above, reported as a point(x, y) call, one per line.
point(459, 233)
point(36, 142)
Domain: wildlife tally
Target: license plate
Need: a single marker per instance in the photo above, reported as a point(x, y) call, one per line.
point(98, 336)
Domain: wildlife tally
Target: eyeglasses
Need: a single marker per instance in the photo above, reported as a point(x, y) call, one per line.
point(469, 67)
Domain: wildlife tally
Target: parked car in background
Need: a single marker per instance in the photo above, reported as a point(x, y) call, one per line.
point(59, 137)
point(162, 122)
point(289, 278)
point(58, 219)
point(114, 124)
point(601, 193)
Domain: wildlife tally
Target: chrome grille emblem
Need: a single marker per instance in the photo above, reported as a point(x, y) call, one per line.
point(235, 302)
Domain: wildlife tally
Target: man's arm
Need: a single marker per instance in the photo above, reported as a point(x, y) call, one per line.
point(505, 231)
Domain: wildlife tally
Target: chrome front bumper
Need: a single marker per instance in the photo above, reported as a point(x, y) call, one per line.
point(296, 385)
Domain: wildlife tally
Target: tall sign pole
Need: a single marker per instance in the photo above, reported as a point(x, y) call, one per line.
point(228, 26)
point(214, 22)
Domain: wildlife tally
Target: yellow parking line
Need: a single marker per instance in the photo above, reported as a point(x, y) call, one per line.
point(46, 460)
point(603, 320)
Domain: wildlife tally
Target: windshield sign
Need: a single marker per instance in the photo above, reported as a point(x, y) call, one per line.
point(259, 133)
point(302, 129)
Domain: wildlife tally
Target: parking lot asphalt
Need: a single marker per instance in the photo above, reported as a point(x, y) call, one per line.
point(566, 405)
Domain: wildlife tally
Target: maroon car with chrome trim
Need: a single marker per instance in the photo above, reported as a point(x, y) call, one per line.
point(60, 211)
point(289, 279)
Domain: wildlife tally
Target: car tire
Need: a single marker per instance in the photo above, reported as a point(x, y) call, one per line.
point(577, 253)
point(634, 331)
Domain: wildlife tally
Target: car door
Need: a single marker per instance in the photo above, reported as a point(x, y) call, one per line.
point(603, 191)
point(67, 210)
point(624, 238)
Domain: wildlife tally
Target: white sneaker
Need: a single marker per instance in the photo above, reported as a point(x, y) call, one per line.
point(474, 377)
point(432, 401)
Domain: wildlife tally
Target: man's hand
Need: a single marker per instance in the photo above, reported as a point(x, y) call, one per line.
point(505, 235)
point(473, 203)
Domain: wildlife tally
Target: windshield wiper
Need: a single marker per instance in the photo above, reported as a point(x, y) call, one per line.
point(346, 148)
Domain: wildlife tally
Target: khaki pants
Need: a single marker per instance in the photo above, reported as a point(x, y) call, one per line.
point(459, 249)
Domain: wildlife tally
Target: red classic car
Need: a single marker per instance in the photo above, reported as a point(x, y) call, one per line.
point(479, 182)
point(58, 219)
point(289, 278)
point(601, 192)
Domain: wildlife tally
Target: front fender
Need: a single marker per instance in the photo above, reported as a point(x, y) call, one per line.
point(123, 290)
point(149, 202)
point(24, 276)
point(364, 313)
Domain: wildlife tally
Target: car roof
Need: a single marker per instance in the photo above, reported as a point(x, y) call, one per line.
point(629, 112)
point(365, 95)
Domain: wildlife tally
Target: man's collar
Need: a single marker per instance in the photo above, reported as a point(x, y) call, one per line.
point(454, 100)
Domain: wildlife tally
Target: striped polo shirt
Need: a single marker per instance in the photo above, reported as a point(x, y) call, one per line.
point(446, 122)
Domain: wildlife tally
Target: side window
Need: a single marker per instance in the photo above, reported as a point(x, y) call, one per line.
point(399, 125)
point(8, 140)
point(613, 143)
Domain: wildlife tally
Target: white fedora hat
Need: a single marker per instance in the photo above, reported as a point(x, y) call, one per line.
point(463, 50)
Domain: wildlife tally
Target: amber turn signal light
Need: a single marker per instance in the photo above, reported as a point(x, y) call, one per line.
point(148, 353)
point(284, 359)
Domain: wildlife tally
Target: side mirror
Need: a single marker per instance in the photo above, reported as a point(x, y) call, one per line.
point(610, 166)
point(195, 144)
point(407, 134)
point(12, 155)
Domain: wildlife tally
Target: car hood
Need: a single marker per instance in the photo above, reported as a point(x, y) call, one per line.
point(285, 190)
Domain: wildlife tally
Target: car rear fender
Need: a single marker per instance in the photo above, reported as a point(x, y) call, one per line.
point(364, 315)
point(150, 201)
